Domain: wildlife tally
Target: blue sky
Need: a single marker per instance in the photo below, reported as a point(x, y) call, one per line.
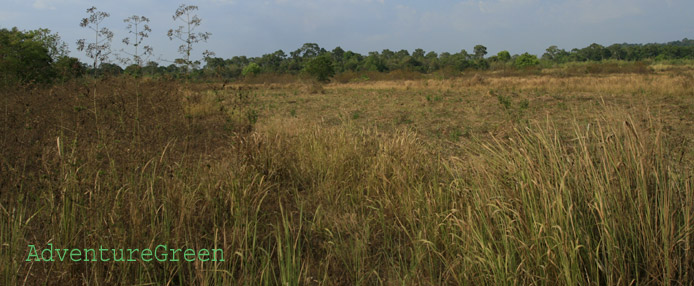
point(254, 28)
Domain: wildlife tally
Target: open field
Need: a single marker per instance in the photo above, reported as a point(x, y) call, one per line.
point(538, 178)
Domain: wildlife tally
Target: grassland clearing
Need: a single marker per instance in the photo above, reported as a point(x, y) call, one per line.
point(483, 179)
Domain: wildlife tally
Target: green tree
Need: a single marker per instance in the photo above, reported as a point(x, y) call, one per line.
point(24, 58)
point(461, 60)
point(338, 57)
point(504, 56)
point(594, 52)
point(151, 68)
point(418, 54)
point(352, 60)
point(272, 62)
point(321, 68)
point(445, 59)
point(309, 51)
point(555, 54)
point(251, 69)
point(412, 64)
point(133, 70)
point(480, 51)
point(52, 42)
point(109, 69)
point(617, 52)
point(68, 67)
point(526, 61)
point(374, 62)
point(432, 61)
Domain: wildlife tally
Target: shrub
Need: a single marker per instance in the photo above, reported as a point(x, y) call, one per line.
point(251, 69)
point(320, 68)
point(23, 58)
point(526, 61)
point(68, 67)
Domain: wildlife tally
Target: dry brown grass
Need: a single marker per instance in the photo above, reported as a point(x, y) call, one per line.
point(482, 179)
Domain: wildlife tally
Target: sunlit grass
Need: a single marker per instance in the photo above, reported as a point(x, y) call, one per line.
point(483, 179)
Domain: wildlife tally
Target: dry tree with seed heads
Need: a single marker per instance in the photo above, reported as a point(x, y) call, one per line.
point(138, 26)
point(187, 34)
point(100, 49)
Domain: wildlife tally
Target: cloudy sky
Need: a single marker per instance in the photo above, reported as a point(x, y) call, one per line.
point(257, 27)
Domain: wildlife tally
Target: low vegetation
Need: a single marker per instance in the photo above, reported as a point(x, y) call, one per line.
point(574, 175)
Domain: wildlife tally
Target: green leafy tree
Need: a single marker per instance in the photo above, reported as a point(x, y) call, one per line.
point(68, 67)
point(431, 61)
point(595, 52)
point(557, 55)
point(352, 60)
point(338, 57)
point(109, 69)
point(251, 69)
point(418, 54)
point(481, 64)
point(309, 51)
point(56, 47)
point(480, 51)
point(272, 62)
point(133, 70)
point(503, 56)
point(617, 52)
point(461, 60)
point(151, 68)
point(525, 61)
point(24, 58)
point(187, 34)
point(374, 63)
point(64, 66)
point(321, 68)
point(412, 64)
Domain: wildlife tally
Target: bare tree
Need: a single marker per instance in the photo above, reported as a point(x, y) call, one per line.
point(187, 34)
point(137, 25)
point(100, 49)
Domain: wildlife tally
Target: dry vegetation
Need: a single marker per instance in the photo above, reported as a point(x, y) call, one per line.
point(537, 178)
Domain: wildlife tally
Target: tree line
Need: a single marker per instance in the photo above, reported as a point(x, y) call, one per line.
point(41, 56)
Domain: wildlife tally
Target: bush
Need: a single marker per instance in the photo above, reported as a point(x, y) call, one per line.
point(23, 58)
point(526, 61)
point(68, 67)
point(251, 69)
point(133, 70)
point(504, 56)
point(320, 68)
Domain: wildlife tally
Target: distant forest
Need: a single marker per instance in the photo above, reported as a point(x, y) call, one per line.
point(428, 62)
point(40, 56)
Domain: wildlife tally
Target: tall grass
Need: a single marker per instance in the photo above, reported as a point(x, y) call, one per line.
point(608, 201)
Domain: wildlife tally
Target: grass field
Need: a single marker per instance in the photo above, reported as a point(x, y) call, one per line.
point(554, 177)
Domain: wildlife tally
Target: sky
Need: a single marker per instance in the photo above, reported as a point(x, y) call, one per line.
point(256, 27)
